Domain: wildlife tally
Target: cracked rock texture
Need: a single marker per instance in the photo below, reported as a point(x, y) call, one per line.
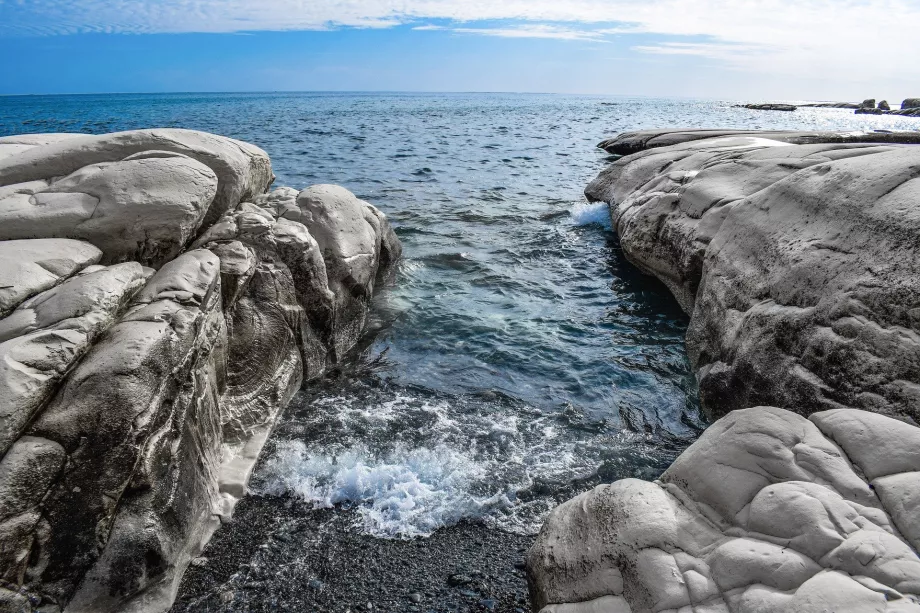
point(798, 263)
point(767, 512)
point(158, 308)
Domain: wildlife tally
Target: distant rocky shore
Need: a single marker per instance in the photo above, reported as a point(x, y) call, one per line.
point(910, 107)
point(797, 256)
point(159, 307)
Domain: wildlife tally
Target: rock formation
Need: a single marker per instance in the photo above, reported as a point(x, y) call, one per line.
point(799, 264)
point(884, 105)
point(634, 142)
point(768, 512)
point(159, 307)
point(770, 107)
point(910, 103)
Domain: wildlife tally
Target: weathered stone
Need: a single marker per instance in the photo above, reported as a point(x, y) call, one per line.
point(910, 103)
point(49, 333)
point(243, 170)
point(30, 267)
point(145, 207)
point(798, 264)
point(764, 513)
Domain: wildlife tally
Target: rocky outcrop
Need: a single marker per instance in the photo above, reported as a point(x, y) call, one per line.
point(135, 400)
point(868, 103)
point(910, 103)
point(770, 107)
point(884, 105)
point(767, 512)
point(799, 264)
point(831, 105)
point(634, 142)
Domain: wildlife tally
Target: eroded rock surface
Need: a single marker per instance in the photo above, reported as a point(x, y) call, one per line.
point(134, 401)
point(767, 512)
point(799, 264)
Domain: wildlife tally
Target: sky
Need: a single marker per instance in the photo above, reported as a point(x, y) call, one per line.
point(725, 49)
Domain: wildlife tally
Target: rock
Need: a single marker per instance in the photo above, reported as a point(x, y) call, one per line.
point(884, 105)
point(763, 513)
point(356, 242)
point(243, 170)
point(642, 140)
point(144, 207)
point(868, 103)
point(49, 333)
point(869, 111)
point(910, 103)
point(770, 107)
point(134, 407)
point(415, 597)
point(30, 267)
point(831, 105)
point(798, 264)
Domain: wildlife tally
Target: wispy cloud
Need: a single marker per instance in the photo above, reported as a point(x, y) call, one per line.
point(848, 39)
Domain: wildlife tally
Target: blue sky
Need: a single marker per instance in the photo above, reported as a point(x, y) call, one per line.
point(770, 49)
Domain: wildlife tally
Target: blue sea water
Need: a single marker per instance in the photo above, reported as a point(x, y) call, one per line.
point(518, 358)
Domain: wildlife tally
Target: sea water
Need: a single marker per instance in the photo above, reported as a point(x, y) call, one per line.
point(517, 358)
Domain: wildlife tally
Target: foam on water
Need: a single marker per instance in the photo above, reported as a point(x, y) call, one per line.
point(594, 213)
point(411, 462)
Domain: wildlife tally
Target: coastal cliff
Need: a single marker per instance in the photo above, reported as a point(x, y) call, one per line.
point(159, 308)
point(796, 256)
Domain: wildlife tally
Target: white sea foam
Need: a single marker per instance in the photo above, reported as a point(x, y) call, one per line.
point(406, 493)
point(411, 465)
point(586, 214)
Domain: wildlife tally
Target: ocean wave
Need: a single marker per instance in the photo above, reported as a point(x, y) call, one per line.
point(595, 213)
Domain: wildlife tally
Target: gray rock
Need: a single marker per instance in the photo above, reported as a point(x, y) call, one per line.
point(133, 408)
point(764, 513)
point(243, 170)
point(884, 105)
point(868, 103)
point(144, 207)
point(628, 143)
point(771, 107)
point(49, 333)
point(30, 267)
point(910, 103)
point(357, 245)
point(798, 264)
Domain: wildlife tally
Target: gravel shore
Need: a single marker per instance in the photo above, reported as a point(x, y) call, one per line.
point(278, 554)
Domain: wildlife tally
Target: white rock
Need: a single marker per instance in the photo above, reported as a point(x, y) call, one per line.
point(799, 264)
point(243, 170)
point(764, 507)
point(30, 267)
point(49, 333)
point(145, 207)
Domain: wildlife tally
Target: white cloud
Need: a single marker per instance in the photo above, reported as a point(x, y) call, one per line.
point(837, 39)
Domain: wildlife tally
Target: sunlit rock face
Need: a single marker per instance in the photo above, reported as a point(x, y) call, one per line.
point(768, 511)
point(158, 308)
point(799, 264)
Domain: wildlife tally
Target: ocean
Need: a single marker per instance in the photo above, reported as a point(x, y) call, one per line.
point(517, 359)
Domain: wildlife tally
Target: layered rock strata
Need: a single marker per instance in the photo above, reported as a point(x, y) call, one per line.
point(768, 512)
point(798, 263)
point(158, 307)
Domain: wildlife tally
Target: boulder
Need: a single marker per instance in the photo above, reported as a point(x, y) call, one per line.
point(243, 170)
point(910, 103)
point(31, 266)
point(356, 243)
point(799, 265)
point(868, 103)
point(884, 105)
point(145, 207)
point(767, 511)
point(869, 111)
